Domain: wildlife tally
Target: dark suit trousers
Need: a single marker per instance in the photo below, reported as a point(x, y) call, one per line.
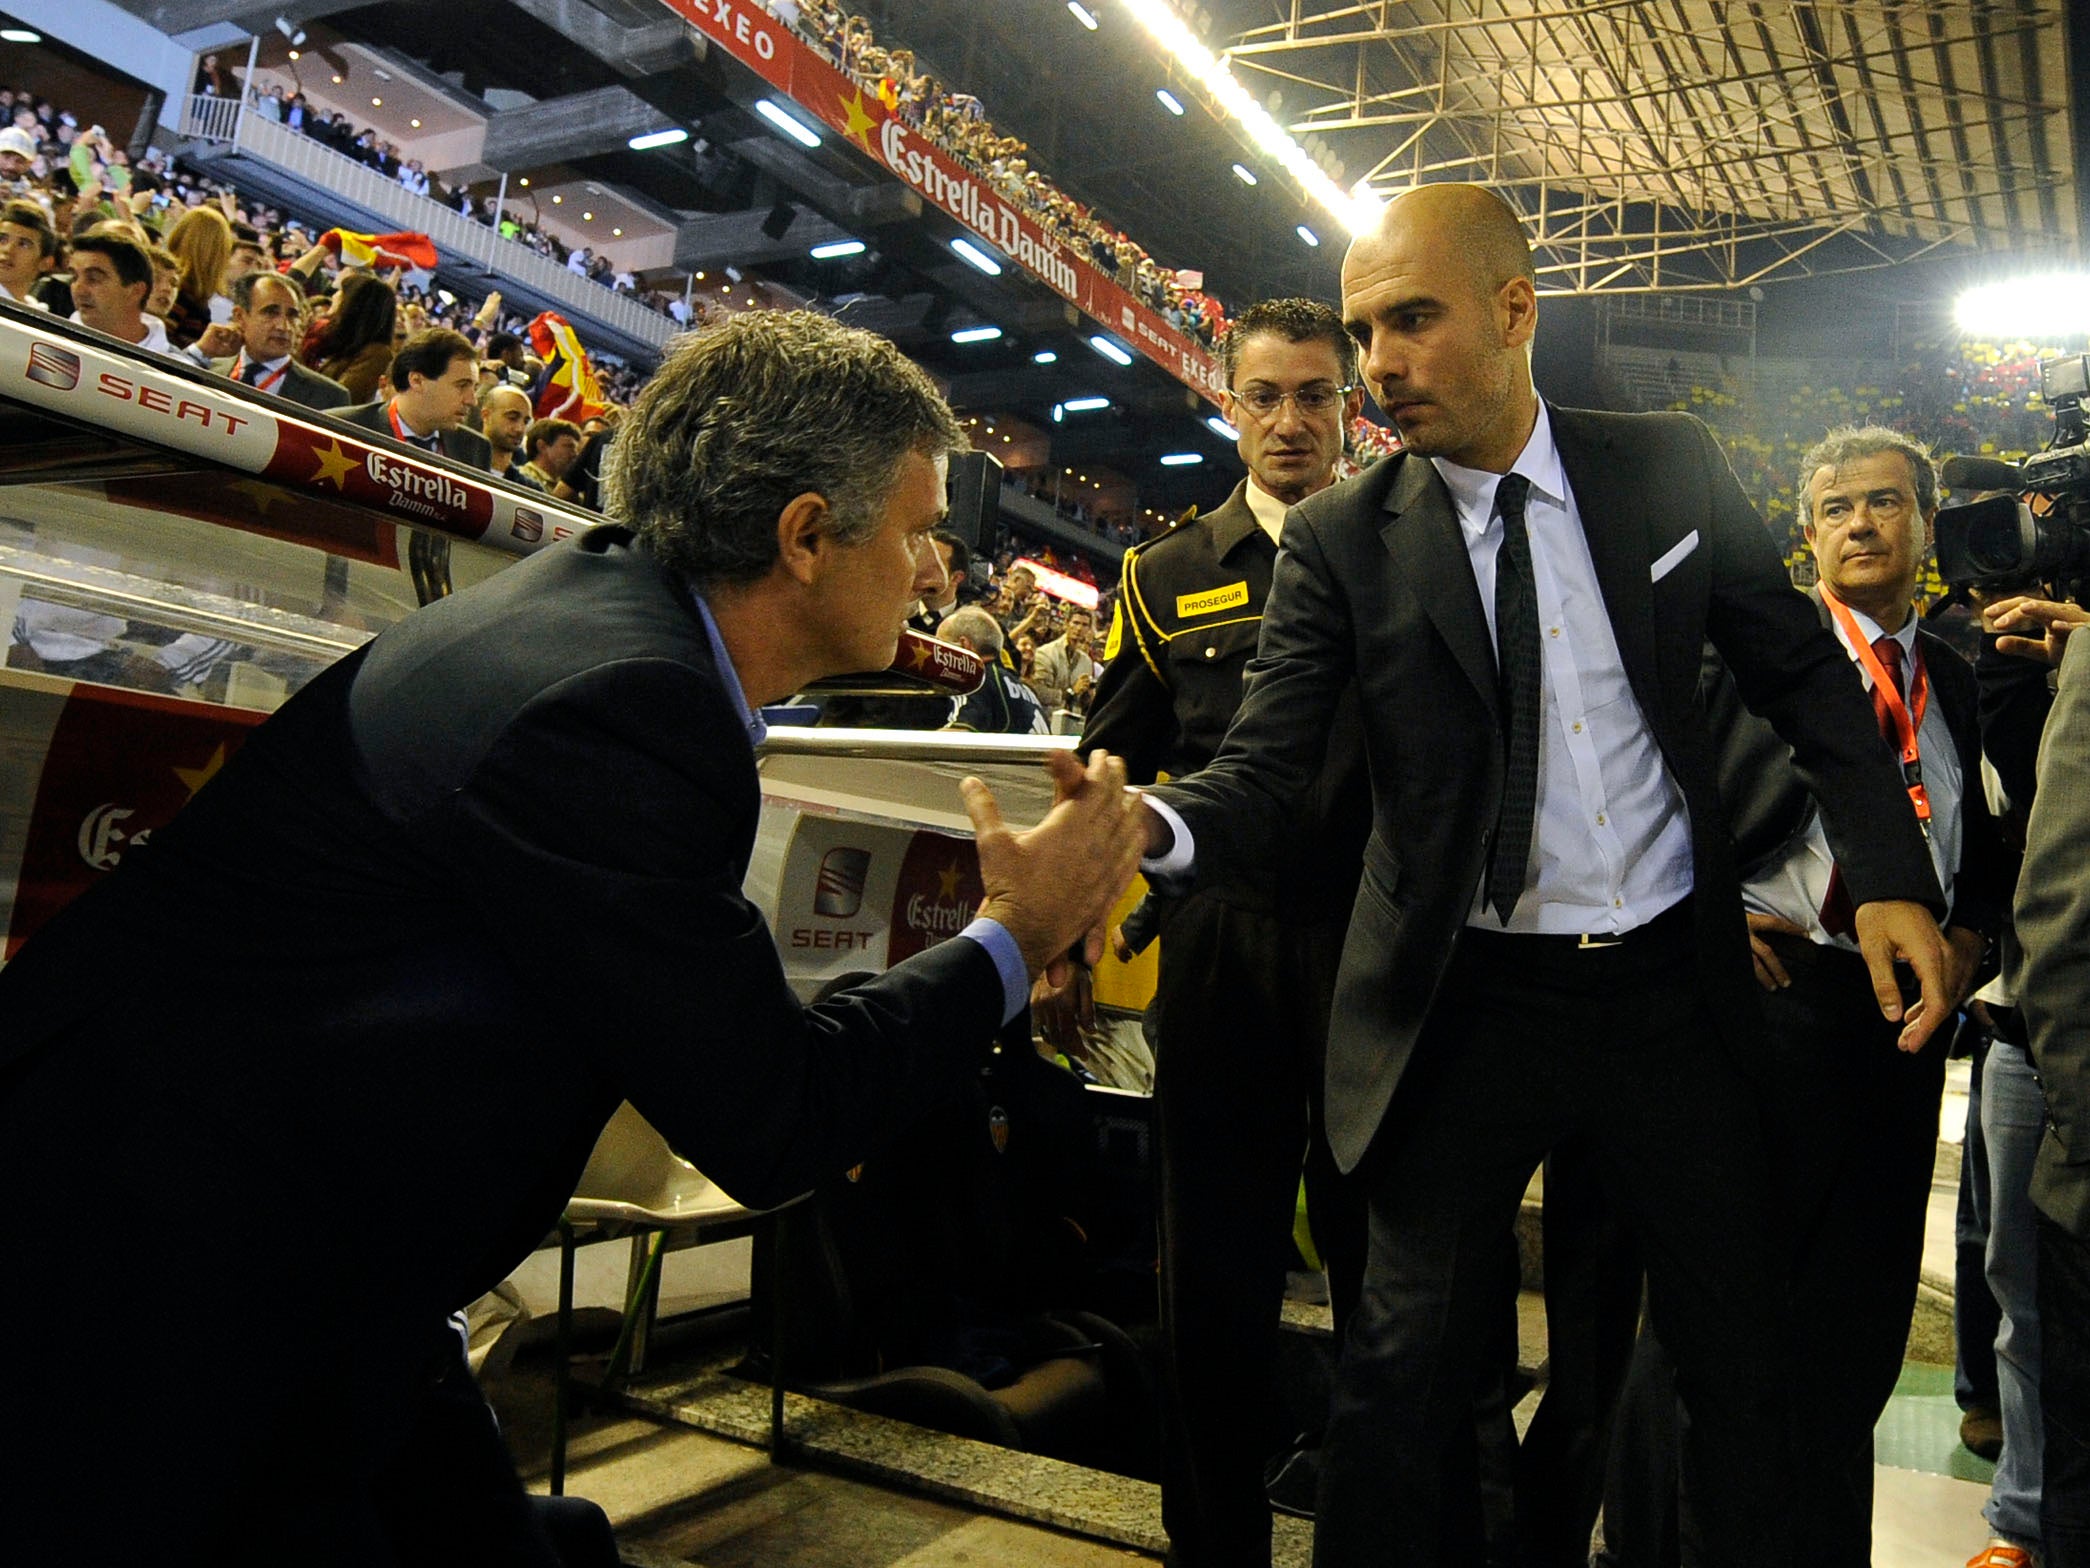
point(2064, 1395)
point(1531, 1042)
point(1241, 1025)
point(1853, 1127)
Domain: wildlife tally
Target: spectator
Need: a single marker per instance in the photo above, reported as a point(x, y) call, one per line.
point(265, 317)
point(353, 345)
point(112, 276)
point(214, 81)
point(504, 419)
point(435, 385)
point(552, 445)
point(1002, 705)
point(200, 241)
point(28, 244)
point(1065, 670)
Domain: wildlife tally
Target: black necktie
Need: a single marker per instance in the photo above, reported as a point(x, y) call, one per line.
point(253, 373)
point(1517, 678)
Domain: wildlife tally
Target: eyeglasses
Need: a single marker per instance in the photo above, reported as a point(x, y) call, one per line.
point(1264, 402)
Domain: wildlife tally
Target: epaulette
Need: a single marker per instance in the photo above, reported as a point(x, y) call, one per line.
point(1130, 610)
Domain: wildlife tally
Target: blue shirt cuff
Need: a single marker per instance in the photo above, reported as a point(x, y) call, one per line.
point(1008, 959)
point(1174, 867)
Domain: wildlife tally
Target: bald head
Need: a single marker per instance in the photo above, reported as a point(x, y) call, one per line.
point(1441, 295)
point(505, 413)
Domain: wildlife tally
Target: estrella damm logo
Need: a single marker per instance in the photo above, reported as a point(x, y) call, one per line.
point(1212, 599)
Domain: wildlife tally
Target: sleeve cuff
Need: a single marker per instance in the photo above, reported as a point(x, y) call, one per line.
point(1008, 962)
point(1174, 867)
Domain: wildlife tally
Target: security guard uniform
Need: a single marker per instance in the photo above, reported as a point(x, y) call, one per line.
point(1241, 1018)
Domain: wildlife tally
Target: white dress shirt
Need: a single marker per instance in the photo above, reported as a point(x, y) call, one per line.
point(1611, 841)
point(1796, 887)
point(1611, 846)
point(1269, 511)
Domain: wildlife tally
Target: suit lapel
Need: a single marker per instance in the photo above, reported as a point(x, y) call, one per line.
point(1423, 535)
point(1615, 522)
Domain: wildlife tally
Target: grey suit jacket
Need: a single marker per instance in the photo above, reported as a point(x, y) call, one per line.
point(308, 388)
point(2053, 927)
point(1373, 583)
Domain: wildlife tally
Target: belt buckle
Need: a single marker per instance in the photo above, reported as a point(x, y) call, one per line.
point(1589, 944)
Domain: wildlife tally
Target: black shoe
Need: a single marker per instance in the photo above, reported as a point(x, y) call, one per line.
point(1292, 1479)
point(1981, 1430)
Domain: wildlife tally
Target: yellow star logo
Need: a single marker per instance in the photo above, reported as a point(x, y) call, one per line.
point(335, 466)
point(263, 496)
point(196, 778)
point(861, 124)
point(919, 654)
point(947, 880)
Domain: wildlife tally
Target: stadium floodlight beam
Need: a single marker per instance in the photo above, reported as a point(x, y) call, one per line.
point(1045, 356)
point(648, 140)
point(1082, 14)
point(834, 250)
point(1109, 350)
point(1165, 24)
point(976, 256)
point(1181, 459)
point(1169, 101)
point(1308, 235)
point(790, 125)
point(2046, 307)
point(1085, 405)
point(976, 335)
point(1221, 428)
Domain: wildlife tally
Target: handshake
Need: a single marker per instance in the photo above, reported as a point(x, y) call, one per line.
point(1054, 886)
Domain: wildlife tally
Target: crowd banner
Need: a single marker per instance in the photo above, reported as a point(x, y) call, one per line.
point(791, 66)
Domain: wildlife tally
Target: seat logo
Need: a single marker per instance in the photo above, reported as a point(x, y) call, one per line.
point(54, 366)
point(838, 891)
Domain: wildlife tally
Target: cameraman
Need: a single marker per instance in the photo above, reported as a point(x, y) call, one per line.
point(2053, 930)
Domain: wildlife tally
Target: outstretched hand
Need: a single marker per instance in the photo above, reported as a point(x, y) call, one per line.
point(1890, 929)
point(1056, 884)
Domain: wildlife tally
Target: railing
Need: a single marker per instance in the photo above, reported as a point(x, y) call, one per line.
point(226, 120)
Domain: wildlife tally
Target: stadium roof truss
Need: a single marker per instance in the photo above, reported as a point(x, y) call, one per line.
point(1676, 144)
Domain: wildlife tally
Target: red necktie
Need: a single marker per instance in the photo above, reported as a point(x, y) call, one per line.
point(1839, 917)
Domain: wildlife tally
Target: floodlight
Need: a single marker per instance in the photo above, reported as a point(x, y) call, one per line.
point(789, 125)
point(1109, 350)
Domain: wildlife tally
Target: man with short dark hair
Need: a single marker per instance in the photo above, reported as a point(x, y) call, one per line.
point(435, 385)
point(1241, 1006)
point(265, 315)
point(112, 278)
point(551, 445)
point(957, 571)
point(504, 419)
point(1064, 671)
point(377, 856)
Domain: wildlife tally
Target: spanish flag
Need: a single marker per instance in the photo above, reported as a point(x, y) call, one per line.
point(568, 388)
point(382, 251)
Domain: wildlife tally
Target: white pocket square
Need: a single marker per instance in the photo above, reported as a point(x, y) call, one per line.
point(1673, 557)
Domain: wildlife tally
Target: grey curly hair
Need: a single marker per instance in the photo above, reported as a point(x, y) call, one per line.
point(744, 416)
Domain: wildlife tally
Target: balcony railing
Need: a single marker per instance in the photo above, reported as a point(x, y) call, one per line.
point(227, 120)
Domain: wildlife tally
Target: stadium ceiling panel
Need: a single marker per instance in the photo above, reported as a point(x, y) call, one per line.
point(1673, 144)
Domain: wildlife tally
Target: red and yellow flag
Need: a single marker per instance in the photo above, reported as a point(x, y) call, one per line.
point(568, 388)
point(383, 250)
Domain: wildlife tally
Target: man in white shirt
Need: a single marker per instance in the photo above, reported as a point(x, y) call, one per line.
point(27, 241)
point(112, 275)
point(1852, 1120)
point(1547, 942)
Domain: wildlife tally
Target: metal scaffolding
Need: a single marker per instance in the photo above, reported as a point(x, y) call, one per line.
point(1684, 144)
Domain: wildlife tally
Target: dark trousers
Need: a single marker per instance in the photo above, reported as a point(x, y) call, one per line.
point(1241, 1025)
point(1975, 1316)
point(1532, 1042)
point(2064, 1395)
point(1853, 1128)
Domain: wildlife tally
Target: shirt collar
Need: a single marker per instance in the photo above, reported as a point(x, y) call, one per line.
point(1473, 489)
point(1269, 511)
point(757, 729)
point(1871, 631)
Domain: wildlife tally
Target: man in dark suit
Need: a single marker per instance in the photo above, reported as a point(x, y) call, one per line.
point(1548, 938)
point(265, 318)
point(435, 386)
point(1852, 1120)
point(1241, 1005)
point(373, 1093)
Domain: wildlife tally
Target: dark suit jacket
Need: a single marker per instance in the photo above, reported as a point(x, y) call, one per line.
point(1374, 583)
point(344, 1033)
point(460, 445)
point(1767, 803)
point(302, 386)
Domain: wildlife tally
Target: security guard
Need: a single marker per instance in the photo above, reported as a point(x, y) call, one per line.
point(1241, 1009)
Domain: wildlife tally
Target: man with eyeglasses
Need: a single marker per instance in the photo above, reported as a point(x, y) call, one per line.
point(1241, 1009)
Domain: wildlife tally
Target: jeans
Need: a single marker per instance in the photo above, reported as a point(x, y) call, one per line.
point(2013, 1117)
point(1975, 1320)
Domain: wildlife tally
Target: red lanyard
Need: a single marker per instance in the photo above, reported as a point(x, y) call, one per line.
point(267, 383)
point(399, 430)
point(1887, 692)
